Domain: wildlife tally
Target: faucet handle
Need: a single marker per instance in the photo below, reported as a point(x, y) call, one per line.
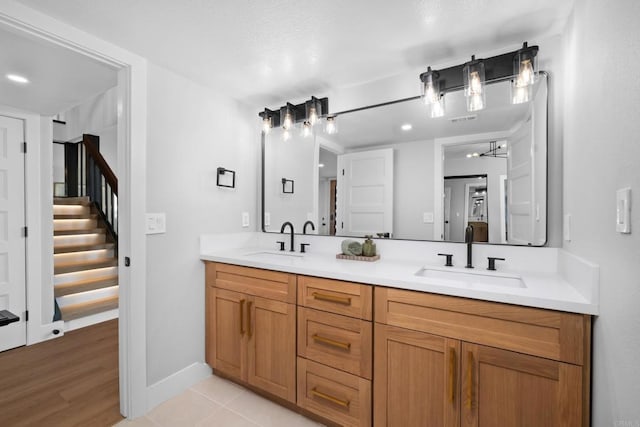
point(449, 262)
point(281, 245)
point(303, 246)
point(492, 262)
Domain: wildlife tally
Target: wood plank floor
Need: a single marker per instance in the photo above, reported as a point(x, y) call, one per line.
point(69, 381)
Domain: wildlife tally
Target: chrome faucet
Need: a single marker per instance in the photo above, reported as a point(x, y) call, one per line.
point(304, 227)
point(468, 239)
point(282, 231)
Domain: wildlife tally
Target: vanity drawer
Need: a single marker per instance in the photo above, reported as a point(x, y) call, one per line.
point(335, 296)
point(268, 284)
point(335, 395)
point(342, 342)
point(551, 334)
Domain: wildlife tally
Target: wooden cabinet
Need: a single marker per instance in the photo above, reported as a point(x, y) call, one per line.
point(249, 337)
point(438, 361)
point(335, 341)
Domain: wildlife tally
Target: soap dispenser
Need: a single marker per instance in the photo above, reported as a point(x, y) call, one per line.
point(368, 247)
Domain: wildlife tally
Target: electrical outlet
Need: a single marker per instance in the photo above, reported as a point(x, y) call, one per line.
point(245, 219)
point(156, 223)
point(623, 210)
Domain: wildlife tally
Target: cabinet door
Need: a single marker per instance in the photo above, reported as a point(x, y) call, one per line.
point(271, 331)
point(227, 347)
point(416, 381)
point(504, 388)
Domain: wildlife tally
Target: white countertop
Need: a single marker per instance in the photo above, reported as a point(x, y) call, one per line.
point(543, 289)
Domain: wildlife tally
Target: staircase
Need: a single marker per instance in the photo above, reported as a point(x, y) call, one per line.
point(85, 263)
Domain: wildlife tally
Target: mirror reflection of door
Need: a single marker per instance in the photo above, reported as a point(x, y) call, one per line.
point(327, 174)
point(447, 213)
point(332, 207)
point(466, 200)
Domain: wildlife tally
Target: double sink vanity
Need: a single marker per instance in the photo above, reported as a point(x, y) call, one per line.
point(403, 341)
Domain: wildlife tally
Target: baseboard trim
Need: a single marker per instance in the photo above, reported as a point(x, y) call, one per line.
point(176, 383)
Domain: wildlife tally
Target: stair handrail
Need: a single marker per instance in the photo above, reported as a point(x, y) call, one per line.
point(107, 172)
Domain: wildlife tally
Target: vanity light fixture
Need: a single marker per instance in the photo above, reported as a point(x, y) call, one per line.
point(474, 78)
point(290, 114)
point(519, 66)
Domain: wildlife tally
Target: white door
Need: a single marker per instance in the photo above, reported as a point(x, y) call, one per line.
point(365, 193)
point(520, 186)
point(12, 241)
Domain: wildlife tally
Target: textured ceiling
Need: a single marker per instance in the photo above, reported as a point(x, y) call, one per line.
point(262, 51)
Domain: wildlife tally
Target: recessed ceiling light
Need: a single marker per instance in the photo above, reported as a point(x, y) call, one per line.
point(17, 79)
point(320, 165)
point(406, 126)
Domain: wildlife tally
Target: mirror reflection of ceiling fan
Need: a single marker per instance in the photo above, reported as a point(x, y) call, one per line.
point(496, 149)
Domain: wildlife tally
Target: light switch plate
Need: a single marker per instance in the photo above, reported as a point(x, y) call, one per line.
point(623, 210)
point(156, 223)
point(245, 219)
point(267, 219)
point(427, 217)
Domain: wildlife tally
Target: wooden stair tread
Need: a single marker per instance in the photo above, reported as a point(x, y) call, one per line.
point(84, 201)
point(75, 216)
point(74, 311)
point(70, 267)
point(85, 285)
point(61, 249)
point(83, 231)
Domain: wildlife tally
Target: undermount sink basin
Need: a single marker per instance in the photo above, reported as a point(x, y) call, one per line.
point(275, 255)
point(471, 279)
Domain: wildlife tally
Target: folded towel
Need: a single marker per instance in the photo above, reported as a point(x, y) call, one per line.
point(351, 247)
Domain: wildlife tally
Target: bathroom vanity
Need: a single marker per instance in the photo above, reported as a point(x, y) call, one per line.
point(398, 342)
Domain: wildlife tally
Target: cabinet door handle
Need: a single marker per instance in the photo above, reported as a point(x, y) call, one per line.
point(331, 298)
point(249, 319)
point(241, 317)
point(333, 343)
point(469, 402)
point(452, 374)
point(328, 397)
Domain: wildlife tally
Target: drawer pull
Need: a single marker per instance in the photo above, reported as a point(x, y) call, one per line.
point(249, 319)
point(332, 298)
point(452, 374)
point(241, 317)
point(329, 341)
point(328, 397)
point(469, 402)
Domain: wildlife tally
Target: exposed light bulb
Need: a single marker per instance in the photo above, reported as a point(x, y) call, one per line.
point(287, 121)
point(266, 125)
point(313, 115)
point(437, 109)
point(306, 129)
point(525, 64)
point(430, 86)
point(330, 126)
point(473, 76)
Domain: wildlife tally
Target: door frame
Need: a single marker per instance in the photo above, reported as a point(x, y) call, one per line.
point(132, 114)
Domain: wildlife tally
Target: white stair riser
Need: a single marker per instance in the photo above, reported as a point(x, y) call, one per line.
point(74, 224)
point(71, 210)
point(79, 239)
point(82, 256)
point(82, 322)
point(86, 296)
point(85, 275)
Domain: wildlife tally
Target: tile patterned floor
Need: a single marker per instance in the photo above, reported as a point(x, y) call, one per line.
point(216, 402)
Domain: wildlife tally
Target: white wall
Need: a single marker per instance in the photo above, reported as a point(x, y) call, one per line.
point(191, 131)
point(601, 155)
point(97, 116)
